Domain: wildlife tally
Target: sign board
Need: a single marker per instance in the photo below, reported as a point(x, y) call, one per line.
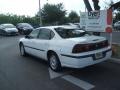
point(97, 21)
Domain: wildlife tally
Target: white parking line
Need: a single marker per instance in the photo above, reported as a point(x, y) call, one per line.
point(53, 74)
point(80, 83)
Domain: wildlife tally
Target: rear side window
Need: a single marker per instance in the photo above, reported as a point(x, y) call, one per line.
point(45, 34)
point(70, 33)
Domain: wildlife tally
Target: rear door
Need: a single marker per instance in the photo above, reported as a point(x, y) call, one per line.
point(43, 41)
point(39, 44)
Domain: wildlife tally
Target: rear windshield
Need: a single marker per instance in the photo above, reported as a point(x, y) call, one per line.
point(25, 25)
point(71, 33)
point(8, 26)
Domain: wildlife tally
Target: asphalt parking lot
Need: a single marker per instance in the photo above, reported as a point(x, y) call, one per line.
point(30, 73)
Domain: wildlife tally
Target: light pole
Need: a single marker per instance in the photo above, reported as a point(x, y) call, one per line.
point(40, 13)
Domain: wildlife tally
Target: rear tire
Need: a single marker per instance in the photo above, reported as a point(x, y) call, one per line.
point(54, 62)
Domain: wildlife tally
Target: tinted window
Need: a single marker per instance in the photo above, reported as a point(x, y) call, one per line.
point(70, 33)
point(44, 34)
point(34, 33)
point(8, 26)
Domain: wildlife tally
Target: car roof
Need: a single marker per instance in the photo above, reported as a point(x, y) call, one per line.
point(23, 23)
point(7, 24)
point(61, 26)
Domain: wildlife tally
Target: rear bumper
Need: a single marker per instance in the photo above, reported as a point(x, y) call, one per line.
point(84, 60)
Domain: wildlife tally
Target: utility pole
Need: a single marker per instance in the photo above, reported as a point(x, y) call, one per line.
point(40, 13)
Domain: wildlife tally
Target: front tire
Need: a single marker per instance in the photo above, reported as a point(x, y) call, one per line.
point(54, 62)
point(22, 50)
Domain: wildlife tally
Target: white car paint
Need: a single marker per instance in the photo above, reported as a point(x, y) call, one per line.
point(63, 48)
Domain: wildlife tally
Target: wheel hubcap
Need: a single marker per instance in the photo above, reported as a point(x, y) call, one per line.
point(53, 62)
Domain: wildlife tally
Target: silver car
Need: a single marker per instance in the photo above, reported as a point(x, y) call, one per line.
point(117, 25)
point(8, 29)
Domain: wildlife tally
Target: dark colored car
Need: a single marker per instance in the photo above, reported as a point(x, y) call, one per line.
point(77, 25)
point(8, 29)
point(24, 28)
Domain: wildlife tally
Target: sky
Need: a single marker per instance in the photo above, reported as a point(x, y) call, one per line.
point(31, 7)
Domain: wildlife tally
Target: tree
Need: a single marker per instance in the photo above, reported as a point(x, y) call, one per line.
point(52, 13)
point(108, 4)
point(73, 16)
point(116, 14)
point(14, 19)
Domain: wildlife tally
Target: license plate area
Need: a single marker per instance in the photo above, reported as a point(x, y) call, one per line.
point(99, 55)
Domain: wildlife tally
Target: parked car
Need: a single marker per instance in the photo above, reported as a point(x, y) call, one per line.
point(24, 28)
point(65, 46)
point(117, 25)
point(8, 29)
point(77, 25)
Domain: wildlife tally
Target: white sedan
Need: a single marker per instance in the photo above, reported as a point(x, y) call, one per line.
point(65, 46)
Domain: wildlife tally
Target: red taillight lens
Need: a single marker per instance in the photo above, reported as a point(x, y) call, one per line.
point(105, 43)
point(80, 48)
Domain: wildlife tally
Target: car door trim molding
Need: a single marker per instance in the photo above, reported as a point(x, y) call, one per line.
point(35, 48)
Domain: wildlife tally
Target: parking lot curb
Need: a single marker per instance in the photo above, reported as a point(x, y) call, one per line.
point(115, 60)
point(116, 44)
point(116, 31)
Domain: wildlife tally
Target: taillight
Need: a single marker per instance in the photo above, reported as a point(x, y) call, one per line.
point(78, 48)
point(105, 43)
